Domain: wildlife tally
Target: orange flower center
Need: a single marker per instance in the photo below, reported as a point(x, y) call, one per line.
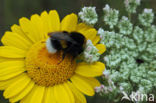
point(47, 69)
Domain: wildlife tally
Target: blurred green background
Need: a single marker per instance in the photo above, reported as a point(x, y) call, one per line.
point(12, 10)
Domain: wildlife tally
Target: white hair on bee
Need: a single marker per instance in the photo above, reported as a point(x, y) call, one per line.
point(50, 47)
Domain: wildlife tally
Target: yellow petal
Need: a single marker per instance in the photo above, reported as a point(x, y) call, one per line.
point(12, 73)
point(35, 96)
point(90, 70)
point(69, 23)
point(23, 93)
point(6, 83)
point(82, 27)
point(51, 22)
point(17, 86)
point(37, 24)
point(17, 29)
point(96, 40)
point(49, 95)
point(64, 92)
point(54, 21)
point(46, 22)
point(15, 40)
point(79, 97)
point(92, 81)
point(10, 64)
point(29, 30)
point(70, 94)
point(3, 59)
point(89, 34)
point(10, 69)
point(101, 48)
point(82, 85)
point(11, 52)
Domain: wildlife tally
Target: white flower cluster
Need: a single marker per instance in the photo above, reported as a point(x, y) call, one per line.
point(125, 26)
point(88, 15)
point(131, 5)
point(134, 74)
point(105, 35)
point(110, 16)
point(131, 53)
point(131, 56)
point(147, 17)
point(103, 89)
point(90, 53)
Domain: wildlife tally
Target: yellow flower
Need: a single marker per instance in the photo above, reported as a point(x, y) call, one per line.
point(29, 74)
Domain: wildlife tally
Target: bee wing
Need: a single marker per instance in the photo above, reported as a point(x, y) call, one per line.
point(62, 36)
point(51, 34)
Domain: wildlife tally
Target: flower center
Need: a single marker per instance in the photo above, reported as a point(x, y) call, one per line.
point(47, 69)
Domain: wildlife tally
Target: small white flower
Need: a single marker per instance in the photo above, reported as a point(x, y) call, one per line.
point(147, 17)
point(107, 7)
point(148, 10)
point(88, 15)
point(131, 5)
point(125, 26)
point(97, 89)
point(106, 73)
point(110, 16)
point(90, 53)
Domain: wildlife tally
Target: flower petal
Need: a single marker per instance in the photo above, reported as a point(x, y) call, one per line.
point(29, 30)
point(79, 97)
point(6, 83)
point(46, 23)
point(89, 34)
point(23, 93)
point(10, 64)
point(69, 23)
point(17, 86)
point(15, 40)
point(10, 69)
point(10, 74)
point(49, 95)
point(64, 92)
point(90, 70)
point(17, 29)
point(54, 21)
point(37, 24)
point(96, 40)
point(101, 48)
point(3, 59)
point(82, 27)
point(92, 81)
point(35, 96)
point(11, 52)
point(82, 85)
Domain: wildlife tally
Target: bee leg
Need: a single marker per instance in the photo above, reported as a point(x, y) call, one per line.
point(64, 54)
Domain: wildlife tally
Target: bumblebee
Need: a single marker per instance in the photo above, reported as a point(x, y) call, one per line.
point(70, 43)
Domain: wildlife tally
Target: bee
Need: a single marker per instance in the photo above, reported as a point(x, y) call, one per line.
point(70, 43)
